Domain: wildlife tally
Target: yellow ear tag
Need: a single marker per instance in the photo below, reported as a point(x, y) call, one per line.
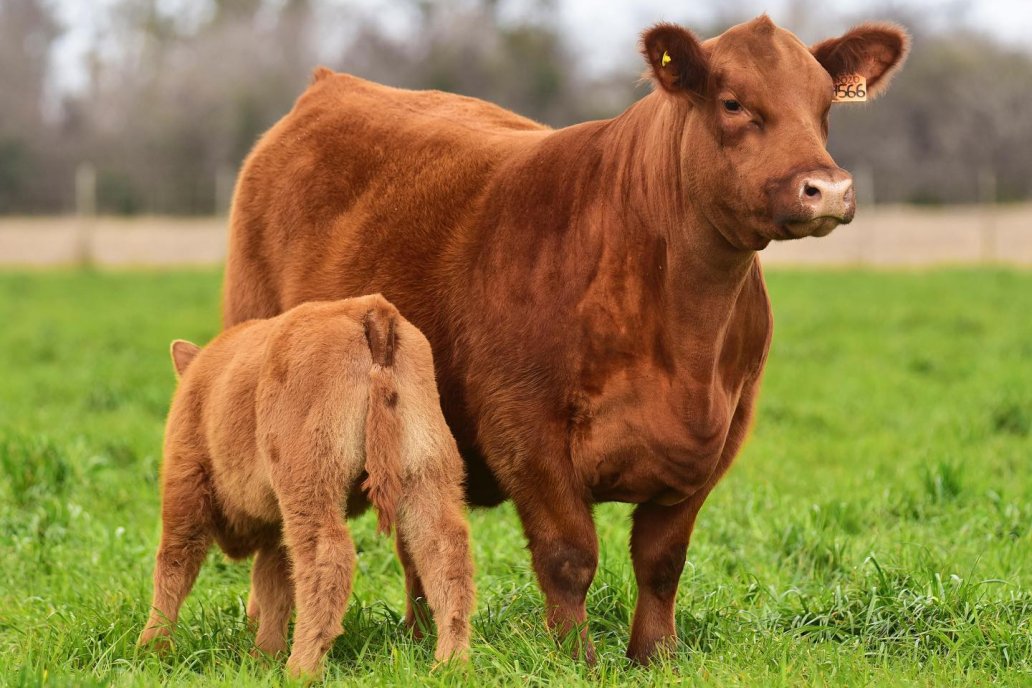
point(666, 59)
point(850, 88)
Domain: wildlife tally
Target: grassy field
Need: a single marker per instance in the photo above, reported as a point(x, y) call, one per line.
point(876, 529)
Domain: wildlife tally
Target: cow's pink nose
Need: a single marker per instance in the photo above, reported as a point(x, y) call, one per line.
point(829, 193)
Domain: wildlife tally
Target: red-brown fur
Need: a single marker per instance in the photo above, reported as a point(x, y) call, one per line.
point(269, 432)
point(593, 294)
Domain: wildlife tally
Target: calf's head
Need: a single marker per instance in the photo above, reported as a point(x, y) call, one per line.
point(755, 129)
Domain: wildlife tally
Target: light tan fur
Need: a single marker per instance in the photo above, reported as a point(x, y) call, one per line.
point(270, 431)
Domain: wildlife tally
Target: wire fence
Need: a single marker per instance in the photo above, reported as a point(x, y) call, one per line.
point(89, 190)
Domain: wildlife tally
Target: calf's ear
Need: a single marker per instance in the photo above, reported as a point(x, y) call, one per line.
point(678, 62)
point(874, 50)
point(182, 353)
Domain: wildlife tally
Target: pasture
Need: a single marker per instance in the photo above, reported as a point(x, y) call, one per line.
point(877, 528)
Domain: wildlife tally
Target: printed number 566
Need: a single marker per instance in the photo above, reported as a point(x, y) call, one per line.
point(848, 91)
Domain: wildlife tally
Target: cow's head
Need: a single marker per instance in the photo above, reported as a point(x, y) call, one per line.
point(757, 102)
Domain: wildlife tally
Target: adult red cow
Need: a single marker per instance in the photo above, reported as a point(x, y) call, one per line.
point(592, 294)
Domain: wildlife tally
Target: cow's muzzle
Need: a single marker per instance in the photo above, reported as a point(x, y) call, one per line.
point(814, 202)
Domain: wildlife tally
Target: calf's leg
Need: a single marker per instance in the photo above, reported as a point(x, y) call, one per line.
point(187, 531)
point(433, 531)
point(272, 593)
point(323, 557)
point(254, 610)
point(417, 612)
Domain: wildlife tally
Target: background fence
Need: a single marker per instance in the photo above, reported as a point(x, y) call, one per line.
point(879, 236)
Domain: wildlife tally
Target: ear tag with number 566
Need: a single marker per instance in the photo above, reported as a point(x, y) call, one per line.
point(850, 88)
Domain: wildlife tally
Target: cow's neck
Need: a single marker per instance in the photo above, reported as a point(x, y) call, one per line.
point(704, 274)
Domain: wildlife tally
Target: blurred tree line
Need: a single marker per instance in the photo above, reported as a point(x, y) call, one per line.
point(176, 93)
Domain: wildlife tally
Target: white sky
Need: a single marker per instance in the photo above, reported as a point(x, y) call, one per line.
point(606, 31)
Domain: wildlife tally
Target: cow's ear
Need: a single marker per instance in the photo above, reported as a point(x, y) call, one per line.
point(875, 51)
point(677, 60)
point(182, 353)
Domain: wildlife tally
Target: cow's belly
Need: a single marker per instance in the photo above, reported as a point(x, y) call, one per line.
point(648, 453)
point(638, 473)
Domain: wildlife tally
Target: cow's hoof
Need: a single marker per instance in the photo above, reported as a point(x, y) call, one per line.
point(647, 652)
point(579, 648)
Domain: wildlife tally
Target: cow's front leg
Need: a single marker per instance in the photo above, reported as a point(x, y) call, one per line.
point(659, 543)
point(564, 551)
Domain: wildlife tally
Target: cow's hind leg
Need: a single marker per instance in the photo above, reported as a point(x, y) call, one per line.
point(272, 594)
point(187, 531)
point(323, 557)
point(417, 612)
point(247, 288)
point(433, 530)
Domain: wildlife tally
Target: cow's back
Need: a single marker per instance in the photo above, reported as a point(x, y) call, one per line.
point(357, 182)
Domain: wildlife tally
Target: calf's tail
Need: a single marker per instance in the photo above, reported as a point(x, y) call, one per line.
point(382, 426)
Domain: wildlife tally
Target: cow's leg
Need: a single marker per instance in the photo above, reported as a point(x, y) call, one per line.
point(417, 611)
point(659, 543)
point(564, 551)
point(323, 557)
point(272, 593)
point(434, 532)
point(247, 290)
point(187, 531)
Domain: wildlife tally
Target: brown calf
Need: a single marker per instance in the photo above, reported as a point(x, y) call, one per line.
point(269, 433)
point(593, 294)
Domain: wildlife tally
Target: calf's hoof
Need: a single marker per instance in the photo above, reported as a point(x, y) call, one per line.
point(253, 619)
point(445, 653)
point(158, 639)
point(270, 646)
point(419, 620)
point(259, 652)
point(303, 672)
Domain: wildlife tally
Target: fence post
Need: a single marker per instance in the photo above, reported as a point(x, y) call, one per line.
point(225, 178)
point(85, 211)
point(863, 185)
point(987, 206)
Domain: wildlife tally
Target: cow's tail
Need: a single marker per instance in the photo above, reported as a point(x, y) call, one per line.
point(382, 426)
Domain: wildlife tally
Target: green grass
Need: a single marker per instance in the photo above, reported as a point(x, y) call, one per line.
point(876, 529)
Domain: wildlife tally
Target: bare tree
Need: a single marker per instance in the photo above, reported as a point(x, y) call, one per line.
point(27, 33)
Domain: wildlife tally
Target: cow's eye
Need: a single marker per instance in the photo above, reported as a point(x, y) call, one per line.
point(732, 106)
